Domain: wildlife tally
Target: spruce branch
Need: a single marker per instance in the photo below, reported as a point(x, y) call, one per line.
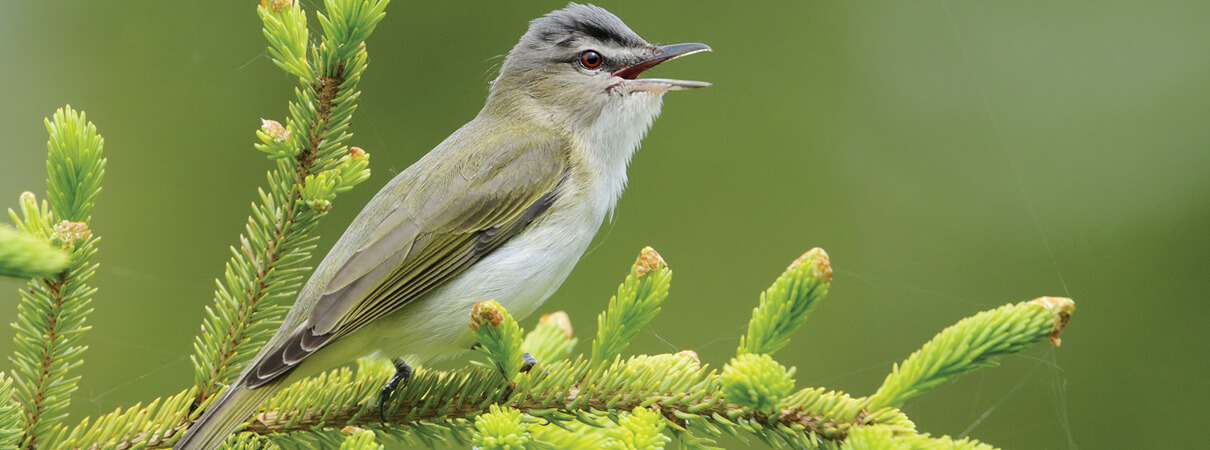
point(785, 305)
point(53, 309)
point(636, 304)
point(313, 165)
point(152, 425)
point(582, 403)
point(10, 415)
point(579, 403)
point(673, 385)
point(974, 343)
point(50, 322)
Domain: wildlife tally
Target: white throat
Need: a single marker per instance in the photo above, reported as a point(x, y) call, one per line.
point(613, 139)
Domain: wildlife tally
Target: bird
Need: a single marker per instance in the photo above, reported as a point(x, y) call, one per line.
point(502, 209)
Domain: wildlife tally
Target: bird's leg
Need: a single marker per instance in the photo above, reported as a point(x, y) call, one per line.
point(403, 374)
point(527, 362)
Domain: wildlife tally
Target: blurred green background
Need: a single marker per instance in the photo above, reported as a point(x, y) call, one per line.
point(951, 156)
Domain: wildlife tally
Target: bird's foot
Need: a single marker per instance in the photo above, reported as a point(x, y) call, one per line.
point(527, 362)
point(403, 374)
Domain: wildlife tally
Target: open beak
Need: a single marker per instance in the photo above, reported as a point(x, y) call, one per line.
point(666, 53)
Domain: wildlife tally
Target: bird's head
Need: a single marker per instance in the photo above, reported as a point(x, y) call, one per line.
point(580, 63)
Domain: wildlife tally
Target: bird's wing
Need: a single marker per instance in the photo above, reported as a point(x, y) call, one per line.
point(412, 251)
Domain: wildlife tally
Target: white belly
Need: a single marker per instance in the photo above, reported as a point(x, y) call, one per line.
point(521, 274)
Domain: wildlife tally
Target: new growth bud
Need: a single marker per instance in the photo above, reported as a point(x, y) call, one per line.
point(1062, 308)
point(275, 5)
point(648, 260)
point(275, 129)
point(822, 265)
point(68, 232)
point(486, 312)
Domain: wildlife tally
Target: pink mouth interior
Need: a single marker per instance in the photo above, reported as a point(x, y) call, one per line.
point(632, 72)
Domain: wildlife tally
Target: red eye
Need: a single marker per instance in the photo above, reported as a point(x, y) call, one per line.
point(591, 59)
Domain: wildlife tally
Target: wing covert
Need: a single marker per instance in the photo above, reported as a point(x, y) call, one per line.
point(412, 251)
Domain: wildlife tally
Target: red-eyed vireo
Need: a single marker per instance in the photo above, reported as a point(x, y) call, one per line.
point(502, 209)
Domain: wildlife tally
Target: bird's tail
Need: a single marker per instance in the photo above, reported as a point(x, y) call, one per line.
point(231, 409)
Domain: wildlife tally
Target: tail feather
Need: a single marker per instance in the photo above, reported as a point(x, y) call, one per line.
point(222, 417)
